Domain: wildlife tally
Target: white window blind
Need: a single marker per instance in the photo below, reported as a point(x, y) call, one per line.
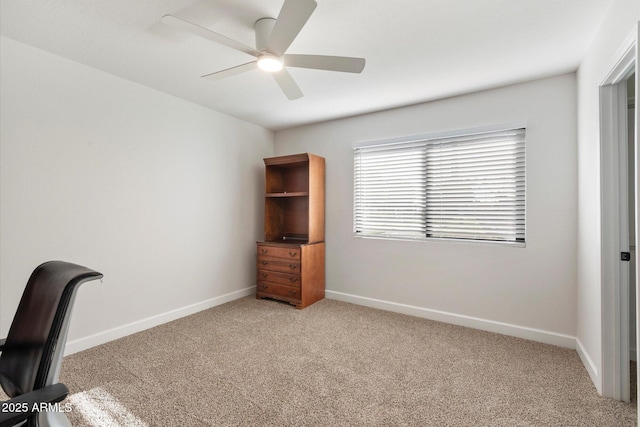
point(457, 187)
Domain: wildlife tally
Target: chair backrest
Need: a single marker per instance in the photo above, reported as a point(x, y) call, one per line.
point(35, 344)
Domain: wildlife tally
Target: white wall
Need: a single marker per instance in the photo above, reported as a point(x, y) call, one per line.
point(521, 291)
point(601, 57)
point(160, 195)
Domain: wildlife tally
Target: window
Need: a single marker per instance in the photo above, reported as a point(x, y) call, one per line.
point(468, 186)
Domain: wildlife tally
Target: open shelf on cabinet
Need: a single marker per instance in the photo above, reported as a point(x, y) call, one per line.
point(294, 198)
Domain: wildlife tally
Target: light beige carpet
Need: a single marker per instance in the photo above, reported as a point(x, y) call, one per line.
point(262, 363)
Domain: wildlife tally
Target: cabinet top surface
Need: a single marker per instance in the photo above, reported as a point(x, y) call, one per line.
point(287, 244)
point(292, 158)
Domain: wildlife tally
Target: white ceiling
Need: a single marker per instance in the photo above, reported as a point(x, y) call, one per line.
point(416, 50)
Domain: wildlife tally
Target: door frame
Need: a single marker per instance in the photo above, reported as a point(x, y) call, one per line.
point(615, 222)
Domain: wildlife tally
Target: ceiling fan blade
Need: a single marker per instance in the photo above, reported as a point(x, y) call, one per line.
point(183, 25)
point(231, 71)
point(287, 84)
point(292, 17)
point(320, 62)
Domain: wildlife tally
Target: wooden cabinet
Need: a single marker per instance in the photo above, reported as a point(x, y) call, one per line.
point(291, 257)
point(291, 272)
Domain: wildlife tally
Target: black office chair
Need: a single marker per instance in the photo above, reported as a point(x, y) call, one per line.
point(32, 353)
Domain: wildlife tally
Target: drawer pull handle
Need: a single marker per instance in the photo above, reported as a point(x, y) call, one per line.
point(264, 262)
point(264, 251)
point(265, 275)
point(293, 253)
point(293, 279)
point(293, 266)
point(263, 287)
point(292, 292)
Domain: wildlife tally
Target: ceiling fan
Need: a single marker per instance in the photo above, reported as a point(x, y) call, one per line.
point(273, 38)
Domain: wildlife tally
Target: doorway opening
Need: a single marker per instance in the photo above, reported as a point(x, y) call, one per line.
point(618, 156)
point(632, 287)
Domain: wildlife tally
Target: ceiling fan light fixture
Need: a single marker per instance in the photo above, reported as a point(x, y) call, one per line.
point(270, 63)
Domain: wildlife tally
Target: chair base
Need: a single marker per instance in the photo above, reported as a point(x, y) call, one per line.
point(53, 419)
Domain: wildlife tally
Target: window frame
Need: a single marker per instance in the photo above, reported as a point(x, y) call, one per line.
point(422, 138)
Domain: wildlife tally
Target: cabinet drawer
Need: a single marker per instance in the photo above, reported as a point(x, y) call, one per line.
point(279, 290)
point(279, 252)
point(278, 264)
point(277, 277)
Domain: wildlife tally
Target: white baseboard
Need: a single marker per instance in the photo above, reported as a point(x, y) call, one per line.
point(589, 365)
point(140, 325)
point(461, 320)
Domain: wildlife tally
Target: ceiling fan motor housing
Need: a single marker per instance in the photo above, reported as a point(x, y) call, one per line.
point(263, 29)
